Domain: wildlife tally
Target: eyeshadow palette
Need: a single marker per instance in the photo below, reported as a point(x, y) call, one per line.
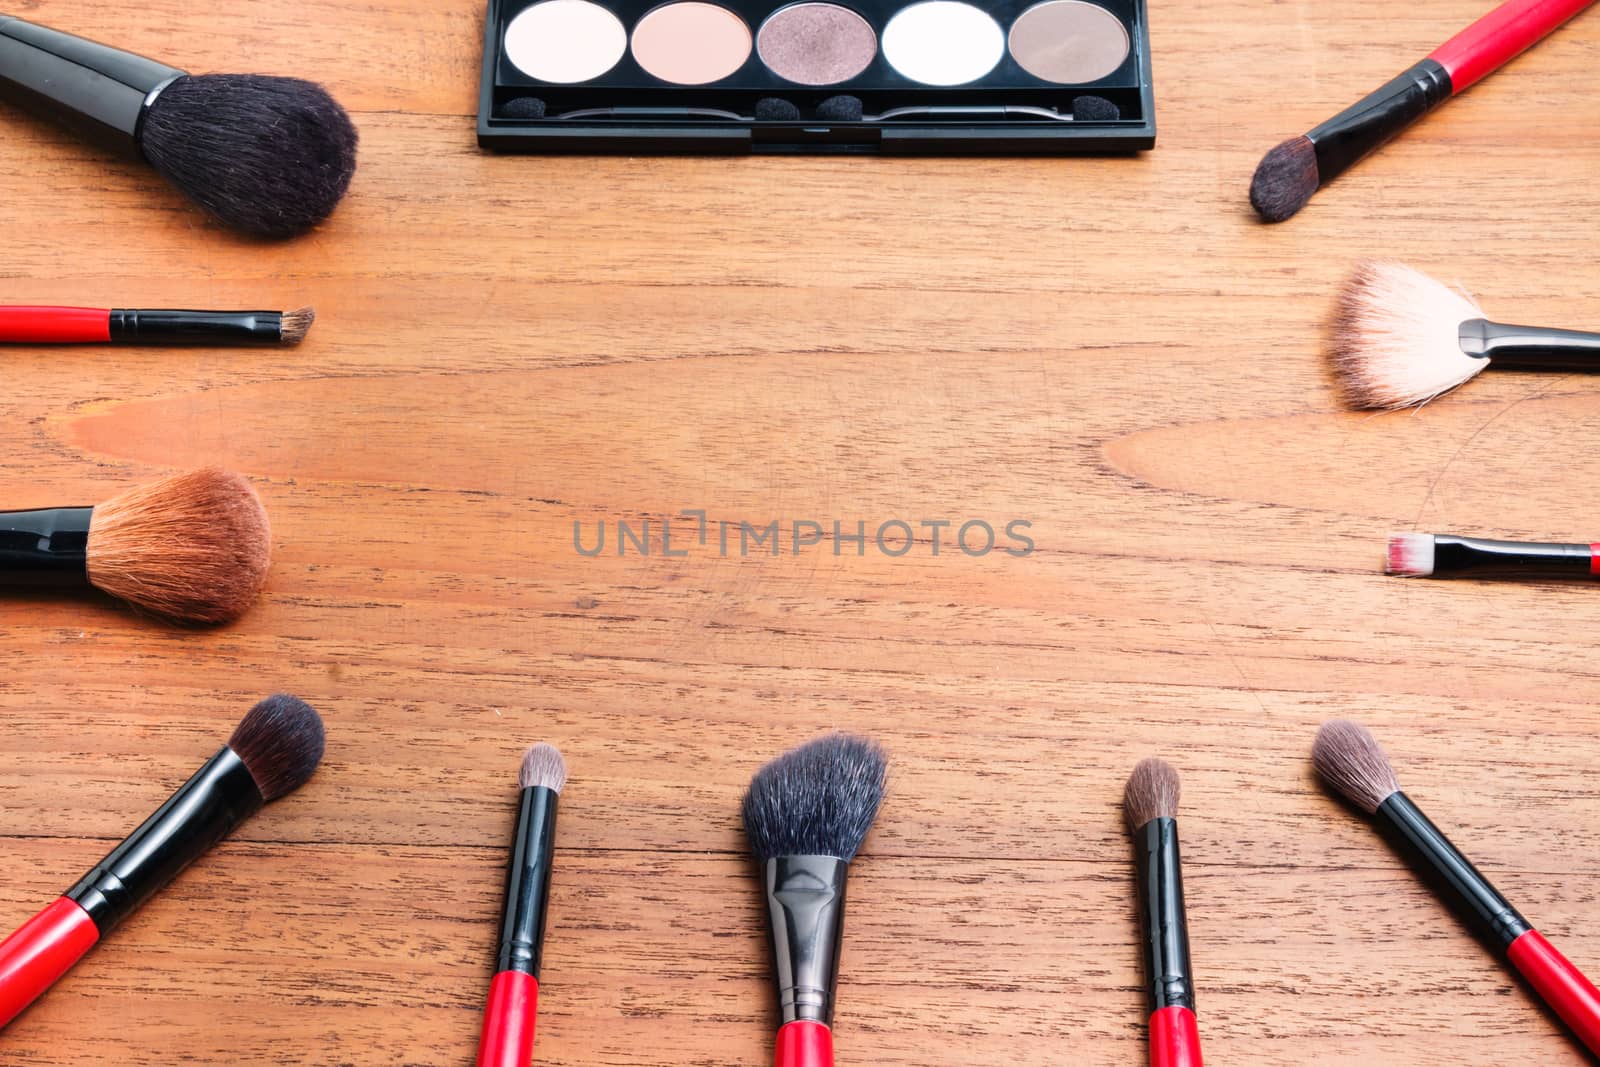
point(998, 77)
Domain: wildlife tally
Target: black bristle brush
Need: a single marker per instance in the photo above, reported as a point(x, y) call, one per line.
point(273, 751)
point(271, 157)
point(806, 815)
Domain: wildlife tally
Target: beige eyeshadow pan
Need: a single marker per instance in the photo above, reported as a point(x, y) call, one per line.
point(1069, 42)
point(691, 42)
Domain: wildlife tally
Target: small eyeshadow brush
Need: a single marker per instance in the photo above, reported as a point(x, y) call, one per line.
point(1351, 761)
point(806, 815)
point(1420, 555)
point(45, 325)
point(513, 1007)
point(272, 752)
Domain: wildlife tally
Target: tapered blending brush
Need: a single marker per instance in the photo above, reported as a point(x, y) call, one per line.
point(127, 326)
point(269, 156)
point(1350, 760)
point(272, 752)
point(1294, 170)
point(513, 1007)
point(192, 548)
point(1400, 338)
point(1420, 555)
point(1150, 804)
point(806, 815)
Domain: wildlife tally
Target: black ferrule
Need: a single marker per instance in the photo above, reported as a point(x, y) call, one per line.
point(219, 797)
point(100, 91)
point(47, 548)
point(196, 327)
point(1169, 976)
point(1383, 113)
point(805, 902)
point(1509, 559)
point(1530, 347)
point(1426, 848)
point(528, 883)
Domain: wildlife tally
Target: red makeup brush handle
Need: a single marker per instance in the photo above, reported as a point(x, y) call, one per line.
point(803, 1043)
point(54, 325)
point(1562, 985)
point(1501, 36)
point(508, 1021)
point(40, 951)
point(1174, 1038)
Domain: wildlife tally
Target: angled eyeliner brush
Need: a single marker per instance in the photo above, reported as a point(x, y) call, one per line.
point(49, 325)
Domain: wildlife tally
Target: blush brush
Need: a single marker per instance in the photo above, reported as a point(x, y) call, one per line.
point(1351, 761)
point(271, 157)
point(272, 752)
point(192, 548)
point(1150, 805)
point(806, 815)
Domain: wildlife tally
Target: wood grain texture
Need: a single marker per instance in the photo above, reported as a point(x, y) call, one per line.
point(1111, 349)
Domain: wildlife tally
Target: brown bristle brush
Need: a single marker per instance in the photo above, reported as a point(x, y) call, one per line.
point(191, 548)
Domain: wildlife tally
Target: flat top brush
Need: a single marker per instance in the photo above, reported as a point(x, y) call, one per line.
point(271, 157)
point(1351, 761)
point(806, 815)
point(39, 325)
point(191, 548)
point(1150, 806)
point(272, 752)
point(1421, 555)
point(1400, 338)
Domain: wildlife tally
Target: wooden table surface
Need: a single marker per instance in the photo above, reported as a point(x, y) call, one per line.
point(1111, 350)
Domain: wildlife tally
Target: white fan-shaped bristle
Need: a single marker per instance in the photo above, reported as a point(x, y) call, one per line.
point(1397, 337)
point(1411, 555)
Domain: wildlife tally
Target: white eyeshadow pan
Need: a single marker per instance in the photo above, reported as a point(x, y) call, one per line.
point(943, 42)
point(565, 41)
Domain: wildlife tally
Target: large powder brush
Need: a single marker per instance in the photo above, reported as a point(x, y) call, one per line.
point(271, 157)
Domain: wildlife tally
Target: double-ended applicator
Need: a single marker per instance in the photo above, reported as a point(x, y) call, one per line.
point(512, 1011)
point(192, 548)
point(806, 815)
point(1351, 761)
point(1150, 805)
point(271, 157)
point(273, 751)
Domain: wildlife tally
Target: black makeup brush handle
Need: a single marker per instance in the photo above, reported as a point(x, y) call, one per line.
point(1453, 554)
point(1463, 887)
point(805, 902)
point(46, 548)
point(1165, 924)
point(528, 883)
point(100, 91)
point(1377, 117)
point(220, 796)
point(1530, 347)
point(129, 326)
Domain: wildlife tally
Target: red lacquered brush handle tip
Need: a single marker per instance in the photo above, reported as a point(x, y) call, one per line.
point(1501, 36)
point(508, 1021)
point(40, 951)
point(1594, 559)
point(1562, 985)
point(54, 325)
point(1174, 1038)
point(803, 1044)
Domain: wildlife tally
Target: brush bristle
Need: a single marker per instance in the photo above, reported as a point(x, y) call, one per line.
point(269, 156)
point(816, 800)
point(1285, 179)
point(280, 742)
point(1410, 555)
point(296, 324)
point(1350, 760)
point(1397, 337)
point(542, 767)
point(191, 547)
point(1152, 793)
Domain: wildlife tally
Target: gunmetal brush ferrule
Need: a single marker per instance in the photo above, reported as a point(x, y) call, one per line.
point(528, 883)
point(207, 807)
point(1467, 556)
point(1168, 972)
point(129, 326)
point(805, 902)
point(46, 548)
point(1530, 347)
point(1377, 117)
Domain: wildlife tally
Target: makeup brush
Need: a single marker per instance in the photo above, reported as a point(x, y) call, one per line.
point(1290, 173)
point(268, 156)
point(508, 1019)
point(124, 326)
point(805, 816)
point(190, 547)
point(1400, 339)
point(274, 749)
point(1150, 803)
point(1420, 555)
point(1350, 760)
